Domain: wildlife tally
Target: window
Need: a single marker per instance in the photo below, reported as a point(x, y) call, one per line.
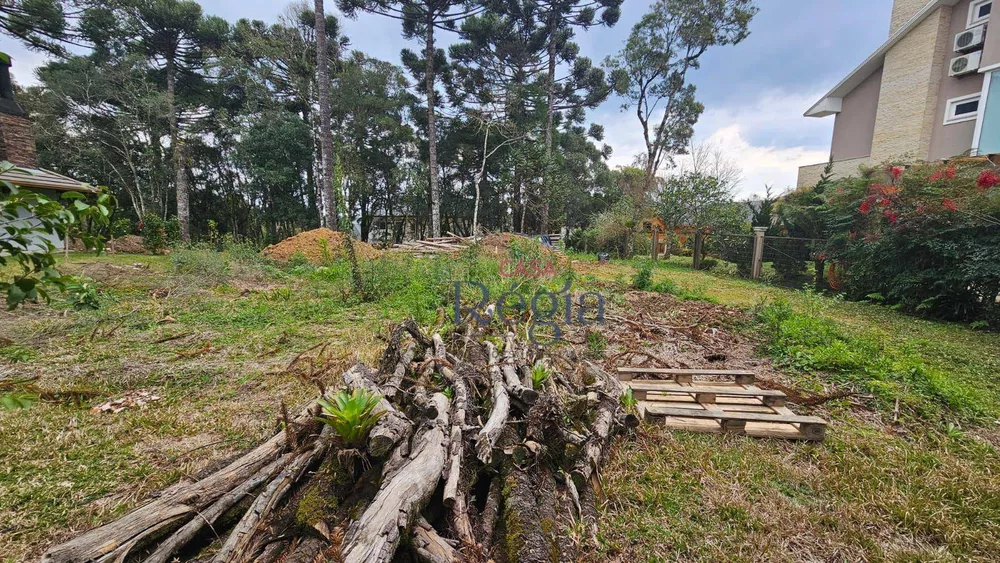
point(979, 11)
point(962, 109)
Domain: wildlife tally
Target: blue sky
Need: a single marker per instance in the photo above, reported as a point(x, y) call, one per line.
point(754, 92)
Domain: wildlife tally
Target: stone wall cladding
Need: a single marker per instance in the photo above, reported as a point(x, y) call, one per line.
point(809, 175)
point(17, 140)
point(911, 80)
point(902, 11)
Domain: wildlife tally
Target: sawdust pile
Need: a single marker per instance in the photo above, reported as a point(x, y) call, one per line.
point(499, 245)
point(318, 246)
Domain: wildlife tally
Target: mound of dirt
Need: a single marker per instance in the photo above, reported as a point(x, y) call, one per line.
point(499, 244)
point(128, 244)
point(318, 246)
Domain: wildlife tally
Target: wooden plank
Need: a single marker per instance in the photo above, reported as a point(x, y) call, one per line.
point(728, 391)
point(671, 371)
point(753, 429)
point(656, 409)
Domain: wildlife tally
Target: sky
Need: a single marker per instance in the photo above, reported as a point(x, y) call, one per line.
point(754, 93)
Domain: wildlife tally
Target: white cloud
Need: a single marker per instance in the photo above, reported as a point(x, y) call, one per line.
point(767, 136)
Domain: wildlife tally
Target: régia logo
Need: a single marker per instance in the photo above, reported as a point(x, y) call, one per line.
point(528, 269)
point(547, 308)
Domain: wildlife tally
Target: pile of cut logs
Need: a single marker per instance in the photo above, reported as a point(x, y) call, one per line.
point(472, 459)
point(436, 245)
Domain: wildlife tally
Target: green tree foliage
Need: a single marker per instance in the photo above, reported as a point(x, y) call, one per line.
point(28, 220)
point(651, 72)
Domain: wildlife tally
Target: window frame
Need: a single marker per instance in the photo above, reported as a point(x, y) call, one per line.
point(974, 7)
point(950, 118)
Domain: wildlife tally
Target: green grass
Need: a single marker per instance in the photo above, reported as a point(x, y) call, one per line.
point(211, 334)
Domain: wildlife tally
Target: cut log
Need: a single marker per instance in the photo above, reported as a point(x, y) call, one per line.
point(524, 394)
point(176, 505)
point(404, 492)
point(393, 427)
point(189, 531)
point(455, 496)
point(394, 385)
point(430, 547)
point(600, 431)
point(237, 547)
point(487, 438)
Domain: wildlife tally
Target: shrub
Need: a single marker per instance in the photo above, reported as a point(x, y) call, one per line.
point(81, 293)
point(121, 227)
point(154, 236)
point(351, 415)
point(643, 279)
point(927, 240)
point(172, 230)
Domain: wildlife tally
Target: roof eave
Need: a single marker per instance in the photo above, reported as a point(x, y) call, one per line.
point(873, 62)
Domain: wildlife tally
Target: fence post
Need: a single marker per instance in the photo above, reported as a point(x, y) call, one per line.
point(758, 252)
point(656, 242)
point(699, 240)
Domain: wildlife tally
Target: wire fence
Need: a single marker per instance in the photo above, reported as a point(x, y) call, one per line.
point(789, 257)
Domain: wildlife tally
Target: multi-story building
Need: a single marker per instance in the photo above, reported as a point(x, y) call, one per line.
point(924, 95)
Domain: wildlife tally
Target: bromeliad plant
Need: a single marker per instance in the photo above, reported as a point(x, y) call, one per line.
point(351, 415)
point(539, 375)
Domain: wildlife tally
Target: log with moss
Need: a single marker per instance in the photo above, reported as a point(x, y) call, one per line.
point(448, 451)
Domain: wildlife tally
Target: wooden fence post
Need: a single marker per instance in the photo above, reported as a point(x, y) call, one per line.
point(758, 252)
point(699, 240)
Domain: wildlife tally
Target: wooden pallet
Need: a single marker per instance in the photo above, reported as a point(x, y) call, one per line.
point(736, 406)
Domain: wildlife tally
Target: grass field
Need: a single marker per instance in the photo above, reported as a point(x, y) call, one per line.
point(211, 334)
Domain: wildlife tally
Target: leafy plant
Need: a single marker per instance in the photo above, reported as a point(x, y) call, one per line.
point(643, 279)
point(596, 343)
point(154, 235)
point(81, 293)
point(15, 353)
point(17, 400)
point(539, 375)
point(172, 230)
point(27, 242)
point(121, 227)
point(351, 415)
point(628, 400)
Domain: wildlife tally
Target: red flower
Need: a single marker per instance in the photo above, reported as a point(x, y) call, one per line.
point(140, 226)
point(885, 202)
point(891, 215)
point(821, 257)
point(987, 180)
point(948, 173)
point(866, 206)
point(896, 172)
point(949, 204)
point(920, 210)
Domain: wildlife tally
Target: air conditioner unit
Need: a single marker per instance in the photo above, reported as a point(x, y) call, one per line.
point(966, 64)
point(970, 39)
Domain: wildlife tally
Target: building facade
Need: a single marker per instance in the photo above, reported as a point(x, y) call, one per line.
point(923, 95)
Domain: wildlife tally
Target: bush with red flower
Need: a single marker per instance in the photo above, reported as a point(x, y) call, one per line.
point(929, 241)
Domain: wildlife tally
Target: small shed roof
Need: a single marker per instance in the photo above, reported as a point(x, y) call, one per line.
point(39, 178)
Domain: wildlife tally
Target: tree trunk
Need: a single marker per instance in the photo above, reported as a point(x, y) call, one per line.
point(432, 133)
point(332, 207)
point(543, 221)
point(479, 180)
point(180, 175)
